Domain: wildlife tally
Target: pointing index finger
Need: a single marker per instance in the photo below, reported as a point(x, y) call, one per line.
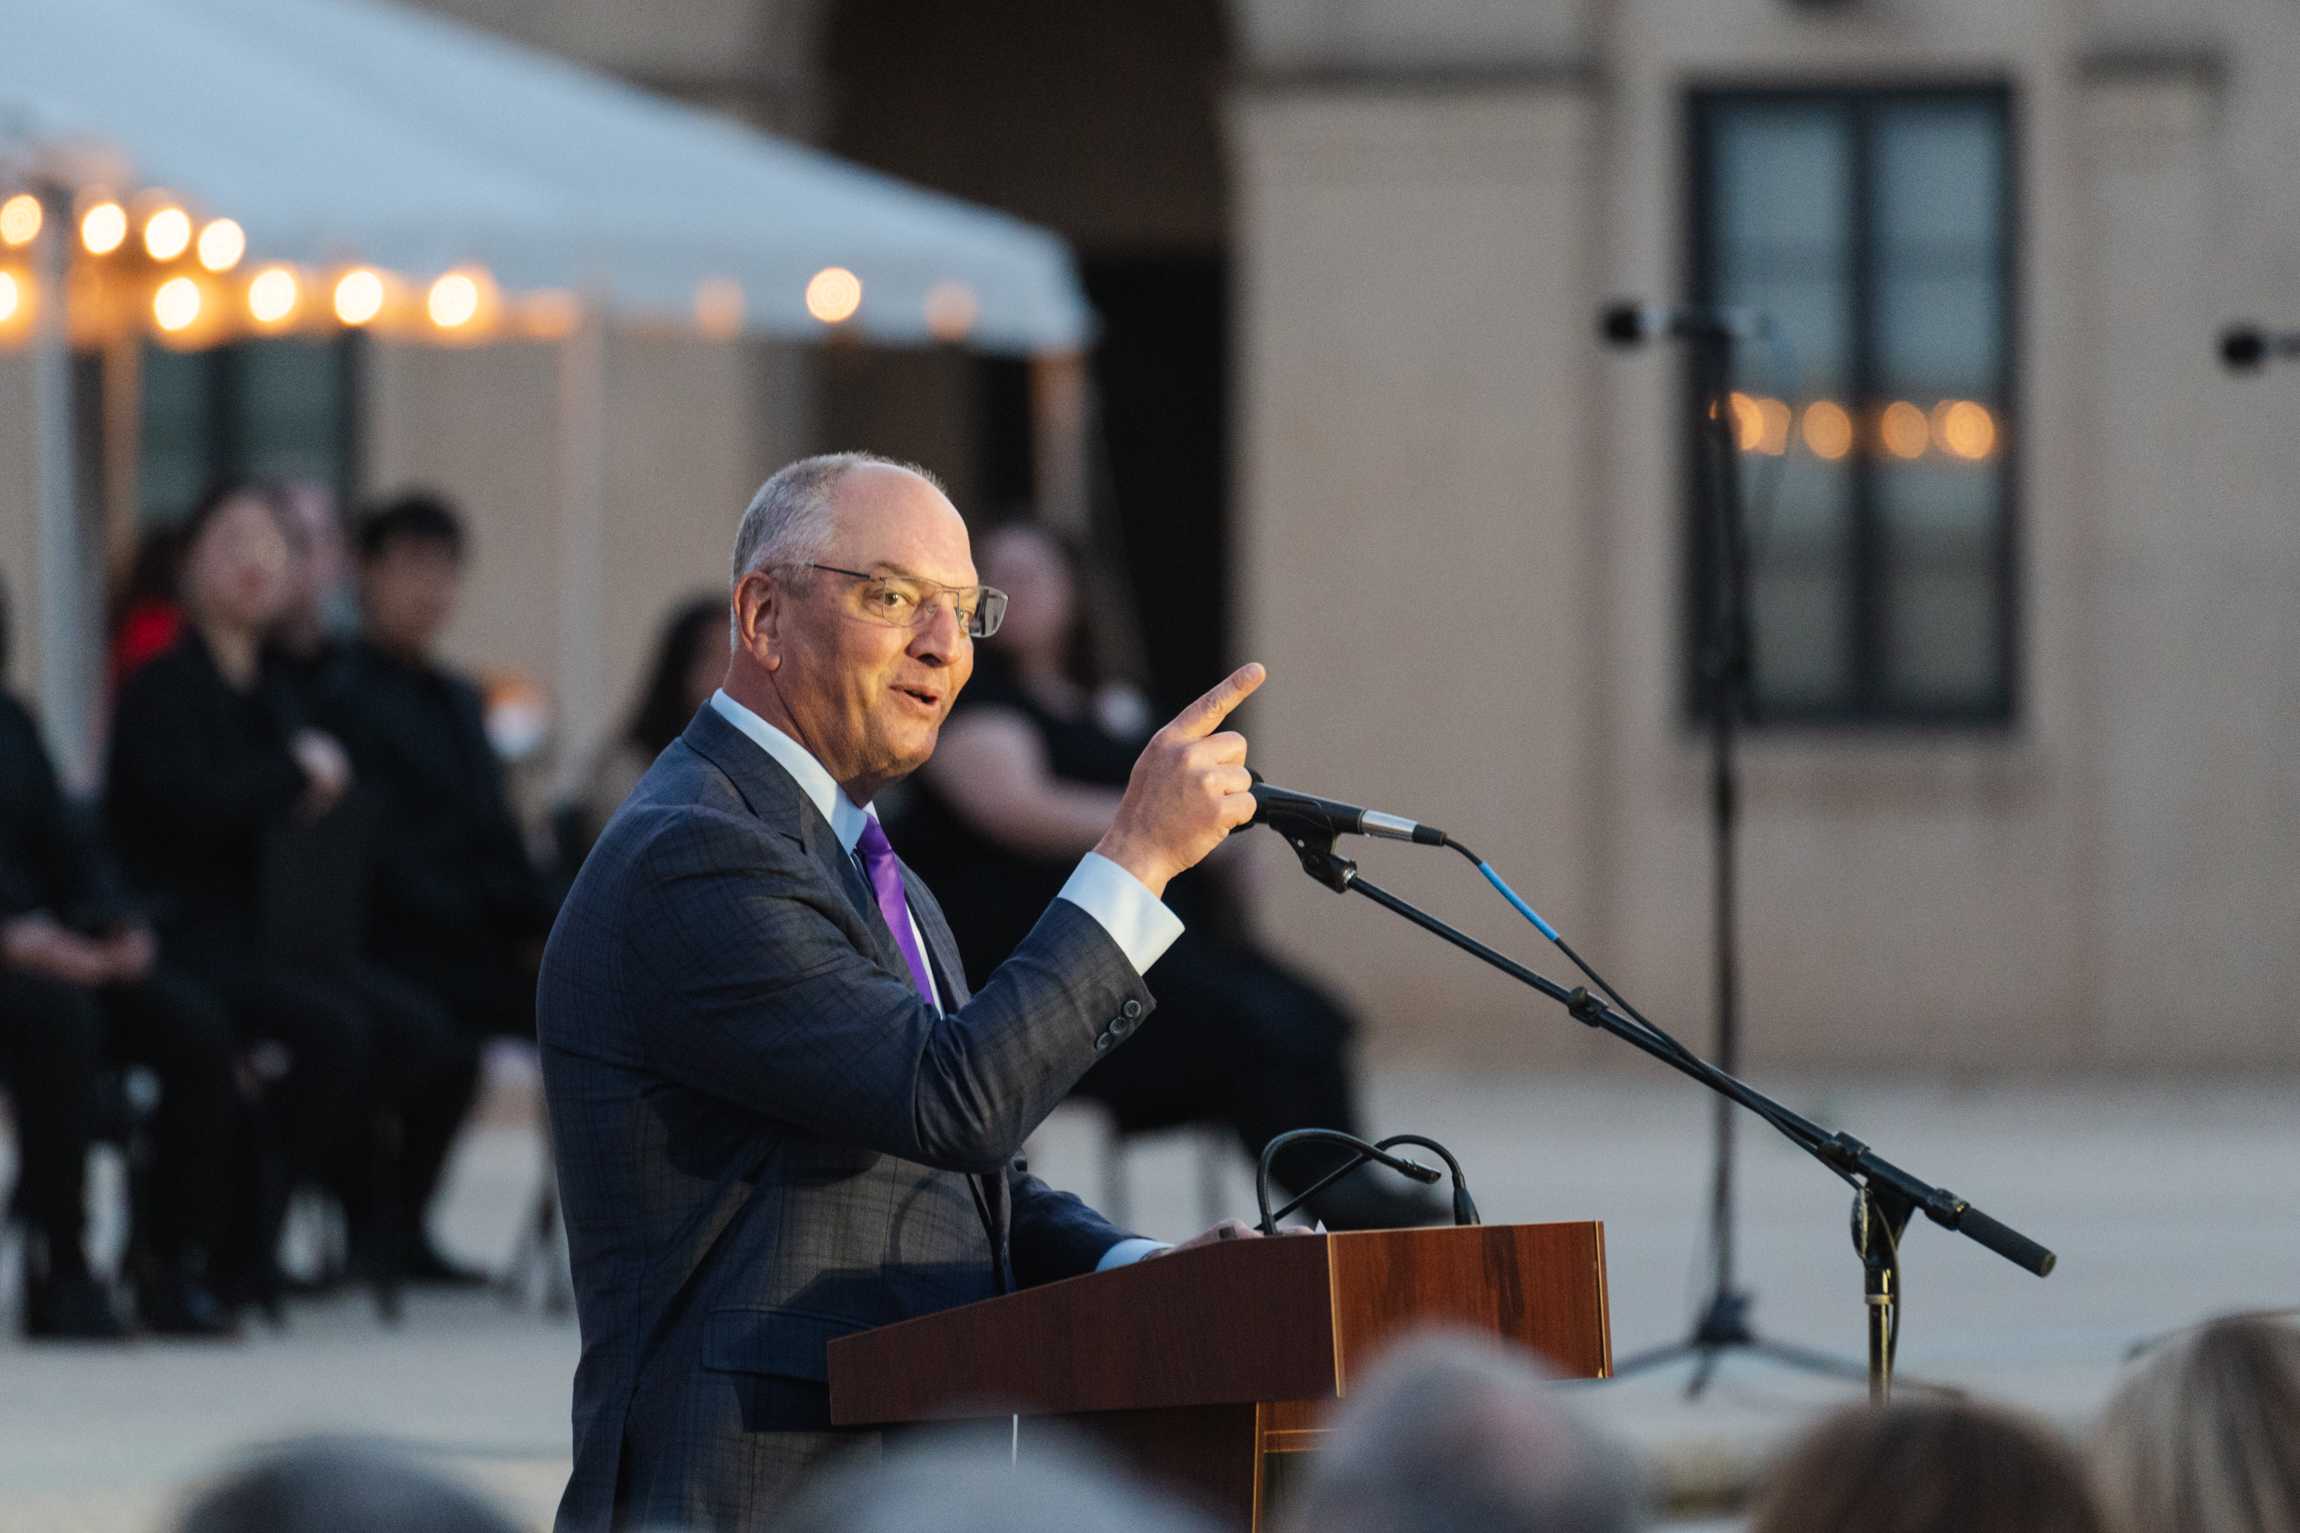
point(1205, 715)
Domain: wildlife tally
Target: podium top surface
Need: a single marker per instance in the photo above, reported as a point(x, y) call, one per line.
point(1293, 1318)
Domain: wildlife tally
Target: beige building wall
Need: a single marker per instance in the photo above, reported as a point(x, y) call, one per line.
point(681, 433)
point(2112, 882)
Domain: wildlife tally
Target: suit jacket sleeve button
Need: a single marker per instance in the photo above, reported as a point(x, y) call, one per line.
point(1102, 1043)
point(1131, 1010)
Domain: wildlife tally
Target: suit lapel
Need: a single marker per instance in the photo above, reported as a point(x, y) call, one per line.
point(776, 799)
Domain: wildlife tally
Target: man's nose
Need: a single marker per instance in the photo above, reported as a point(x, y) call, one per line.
point(939, 635)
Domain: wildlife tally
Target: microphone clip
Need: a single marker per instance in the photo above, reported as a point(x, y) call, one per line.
point(1315, 848)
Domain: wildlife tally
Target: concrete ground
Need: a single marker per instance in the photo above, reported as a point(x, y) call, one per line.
point(2167, 1201)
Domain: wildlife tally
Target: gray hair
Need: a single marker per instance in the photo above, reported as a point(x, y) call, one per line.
point(1057, 1485)
point(2207, 1436)
point(789, 520)
point(338, 1485)
point(1457, 1431)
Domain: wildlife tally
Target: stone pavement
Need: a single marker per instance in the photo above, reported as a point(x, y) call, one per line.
point(2167, 1201)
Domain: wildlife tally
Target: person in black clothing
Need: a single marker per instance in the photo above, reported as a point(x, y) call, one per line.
point(1030, 767)
point(457, 905)
point(79, 986)
point(213, 777)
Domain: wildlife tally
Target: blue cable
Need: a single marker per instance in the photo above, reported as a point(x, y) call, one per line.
point(1522, 907)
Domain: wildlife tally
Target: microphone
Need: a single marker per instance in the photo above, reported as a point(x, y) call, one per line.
point(1282, 809)
point(2247, 348)
point(1631, 324)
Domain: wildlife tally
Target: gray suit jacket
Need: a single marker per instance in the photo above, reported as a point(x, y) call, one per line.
point(765, 1139)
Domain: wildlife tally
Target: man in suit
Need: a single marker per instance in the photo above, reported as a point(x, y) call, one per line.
point(779, 1114)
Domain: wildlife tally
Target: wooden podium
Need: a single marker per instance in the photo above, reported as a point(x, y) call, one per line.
point(1206, 1368)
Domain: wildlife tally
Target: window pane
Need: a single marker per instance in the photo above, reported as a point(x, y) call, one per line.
point(1938, 508)
point(1941, 642)
point(1804, 650)
point(1938, 336)
point(1938, 187)
point(291, 408)
point(1780, 181)
point(177, 460)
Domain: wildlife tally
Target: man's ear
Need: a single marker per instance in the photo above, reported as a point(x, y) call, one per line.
point(758, 618)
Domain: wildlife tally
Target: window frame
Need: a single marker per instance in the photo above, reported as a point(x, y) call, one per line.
point(1867, 702)
point(226, 449)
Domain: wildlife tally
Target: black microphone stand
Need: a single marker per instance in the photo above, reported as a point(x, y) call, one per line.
point(1884, 1195)
point(1728, 680)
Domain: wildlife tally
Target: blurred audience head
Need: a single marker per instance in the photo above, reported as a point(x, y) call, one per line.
point(1927, 1467)
point(949, 1488)
point(690, 661)
point(1453, 1432)
point(338, 1486)
point(237, 546)
point(2205, 1438)
point(410, 571)
point(1038, 569)
point(316, 566)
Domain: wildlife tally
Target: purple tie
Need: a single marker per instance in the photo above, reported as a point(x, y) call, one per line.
point(885, 876)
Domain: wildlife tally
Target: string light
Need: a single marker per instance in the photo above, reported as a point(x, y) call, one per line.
point(103, 227)
point(358, 296)
point(951, 310)
point(833, 295)
point(719, 307)
point(1773, 440)
point(1748, 421)
point(1964, 429)
point(177, 304)
point(273, 295)
point(20, 220)
point(167, 234)
point(222, 243)
point(11, 296)
point(1903, 429)
point(453, 301)
point(1828, 430)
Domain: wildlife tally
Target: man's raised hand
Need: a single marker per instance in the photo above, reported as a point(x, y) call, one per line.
point(1189, 788)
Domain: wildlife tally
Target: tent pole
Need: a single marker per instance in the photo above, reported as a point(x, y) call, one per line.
point(582, 545)
point(1059, 422)
point(71, 622)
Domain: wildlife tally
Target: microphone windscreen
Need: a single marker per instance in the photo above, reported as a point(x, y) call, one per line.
point(2243, 348)
point(1621, 324)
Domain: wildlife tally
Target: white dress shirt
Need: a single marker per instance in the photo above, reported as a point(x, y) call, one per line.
point(1137, 920)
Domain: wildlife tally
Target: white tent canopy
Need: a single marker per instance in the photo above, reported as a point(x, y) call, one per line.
point(352, 130)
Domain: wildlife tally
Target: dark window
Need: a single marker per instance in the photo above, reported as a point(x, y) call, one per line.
point(1875, 228)
point(284, 409)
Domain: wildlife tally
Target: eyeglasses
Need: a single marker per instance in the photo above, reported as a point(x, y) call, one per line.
point(905, 601)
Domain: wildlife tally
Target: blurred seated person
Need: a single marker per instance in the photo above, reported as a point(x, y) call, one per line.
point(145, 616)
point(456, 905)
point(211, 763)
point(690, 657)
point(2206, 1436)
point(318, 615)
point(79, 986)
point(1029, 771)
point(1948, 1466)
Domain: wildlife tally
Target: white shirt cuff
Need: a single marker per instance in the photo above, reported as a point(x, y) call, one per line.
point(1128, 1252)
point(1136, 920)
